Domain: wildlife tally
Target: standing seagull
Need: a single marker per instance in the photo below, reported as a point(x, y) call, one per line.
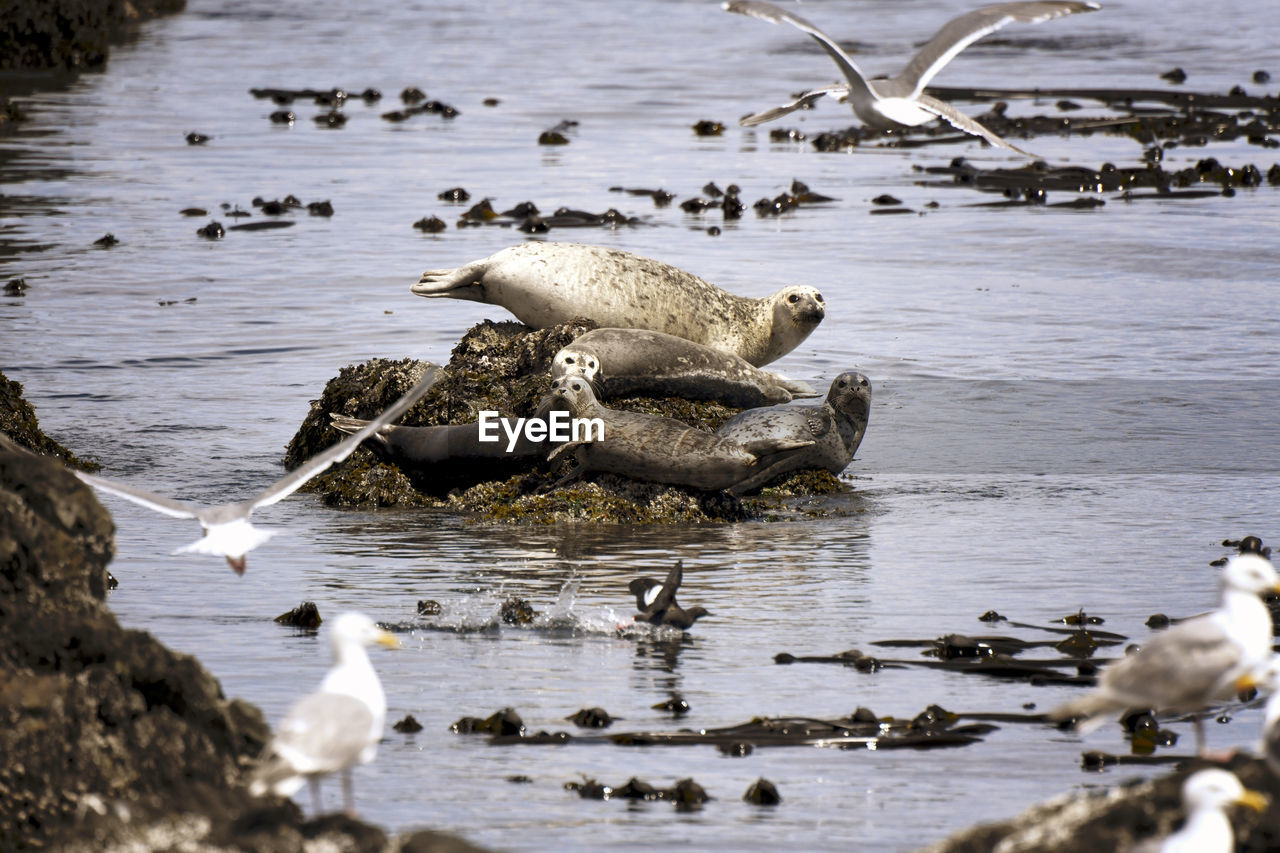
point(891, 103)
point(227, 531)
point(335, 727)
point(657, 601)
point(1195, 663)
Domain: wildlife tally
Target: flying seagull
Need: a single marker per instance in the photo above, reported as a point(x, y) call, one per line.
point(227, 531)
point(1203, 660)
point(890, 103)
point(337, 726)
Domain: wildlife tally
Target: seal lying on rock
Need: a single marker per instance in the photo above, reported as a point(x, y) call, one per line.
point(835, 427)
point(621, 362)
point(452, 455)
point(548, 283)
point(660, 450)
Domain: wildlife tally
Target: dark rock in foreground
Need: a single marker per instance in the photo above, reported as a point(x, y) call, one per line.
point(505, 367)
point(109, 739)
point(1118, 817)
point(70, 35)
point(18, 421)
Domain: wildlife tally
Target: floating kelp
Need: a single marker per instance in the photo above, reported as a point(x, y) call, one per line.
point(1031, 184)
point(686, 794)
point(932, 728)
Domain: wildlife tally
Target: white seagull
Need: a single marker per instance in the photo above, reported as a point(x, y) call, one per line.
point(227, 531)
point(891, 103)
point(334, 728)
point(1205, 795)
point(1193, 664)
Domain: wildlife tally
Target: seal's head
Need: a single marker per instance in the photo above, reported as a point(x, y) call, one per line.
point(850, 394)
point(799, 306)
point(575, 360)
point(574, 391)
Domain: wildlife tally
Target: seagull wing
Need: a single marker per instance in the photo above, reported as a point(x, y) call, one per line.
point(289, 484)
point(959, 33)
point(859, 90)
point(960, 121)
point(803, 101)
point(1182, 668)
point(150, 500)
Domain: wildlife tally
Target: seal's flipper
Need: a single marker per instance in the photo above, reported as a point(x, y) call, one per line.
point(796, 387)
point(768, 446)
point(464, 282)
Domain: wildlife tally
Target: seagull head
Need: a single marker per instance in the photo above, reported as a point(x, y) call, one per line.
point(1250, 573)
point(1215, 789)
point(356, 631)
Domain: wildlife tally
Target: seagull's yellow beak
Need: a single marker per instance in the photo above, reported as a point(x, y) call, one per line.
point(1255, 800)
point(388, 640)
point(1245, 682)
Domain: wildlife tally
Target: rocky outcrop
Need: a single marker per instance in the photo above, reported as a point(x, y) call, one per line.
point(69, 35)
point(505, 367)
point(110, 740)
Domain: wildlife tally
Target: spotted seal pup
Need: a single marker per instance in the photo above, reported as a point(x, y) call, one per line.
point(657, 449)
point(544, 284)
point(835, 427)
point(620, 362)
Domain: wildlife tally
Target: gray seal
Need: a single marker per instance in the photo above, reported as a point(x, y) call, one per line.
point(835, 427)
point(620, 362)
point(544, 284)
point(657, 449)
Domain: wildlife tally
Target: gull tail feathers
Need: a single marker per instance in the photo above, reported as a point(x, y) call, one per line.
point(275, 775)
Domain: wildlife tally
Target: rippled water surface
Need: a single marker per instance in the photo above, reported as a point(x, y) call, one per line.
point(1071, 409)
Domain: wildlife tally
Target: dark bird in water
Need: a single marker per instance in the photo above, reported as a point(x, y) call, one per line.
point(657, 601)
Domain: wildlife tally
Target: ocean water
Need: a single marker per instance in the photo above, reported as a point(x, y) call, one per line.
point(1072, 408)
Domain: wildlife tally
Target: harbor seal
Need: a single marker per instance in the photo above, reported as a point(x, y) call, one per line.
point(452, 456)
point(449, 456)
point(657, 449)
point(835, 427)
point(620, 362)
point(544, 284)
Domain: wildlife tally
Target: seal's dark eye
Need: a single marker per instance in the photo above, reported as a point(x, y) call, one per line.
point(793, 299)
point(568, 359)
point(591, 364)
point(817, 296)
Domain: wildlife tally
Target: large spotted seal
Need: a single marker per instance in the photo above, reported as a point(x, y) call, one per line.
point(619, 362)
point(548, 283)
point(660, 450)
point(835, 427)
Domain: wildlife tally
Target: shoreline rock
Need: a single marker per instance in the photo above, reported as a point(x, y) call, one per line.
point(110, 739)
point(1120, 816)
point(71, 35)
